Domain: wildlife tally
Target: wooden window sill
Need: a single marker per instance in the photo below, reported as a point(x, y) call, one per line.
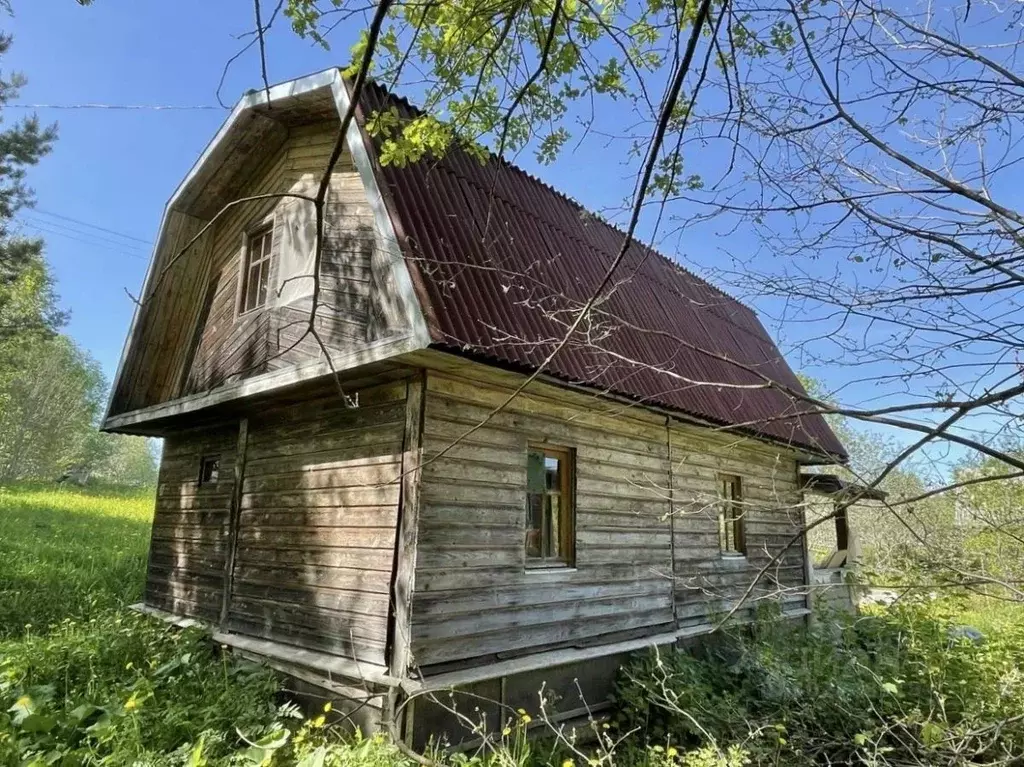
point(550, 569)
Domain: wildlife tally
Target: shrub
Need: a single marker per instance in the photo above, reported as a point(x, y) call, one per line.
point(893, 686)
point(122, 688)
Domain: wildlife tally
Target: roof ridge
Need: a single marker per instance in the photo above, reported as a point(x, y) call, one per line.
point(572, 201)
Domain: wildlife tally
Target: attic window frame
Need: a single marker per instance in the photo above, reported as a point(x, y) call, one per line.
point(261, 233)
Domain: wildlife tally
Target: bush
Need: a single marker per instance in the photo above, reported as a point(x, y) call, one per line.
point(894, 686)
point(123, 688)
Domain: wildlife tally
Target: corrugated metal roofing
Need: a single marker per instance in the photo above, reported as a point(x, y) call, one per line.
point(502, 262)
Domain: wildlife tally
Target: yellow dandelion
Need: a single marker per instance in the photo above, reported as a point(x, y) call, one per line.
point(672, 752)
point(521, 711)
point(319, 721)
point(526, 718)
point(131, 705)
point(23, 702)
point(327, 707)
point(507, 731)
point(568, 763)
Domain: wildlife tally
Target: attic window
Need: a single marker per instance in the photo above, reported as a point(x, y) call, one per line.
point(550, 507)
point(256, 271)
point(209, 469)
point(732, 533)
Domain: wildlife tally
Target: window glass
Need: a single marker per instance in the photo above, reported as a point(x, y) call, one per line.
point(256, 287)
point(209, 469)
point(550, 522)
point(731, 522)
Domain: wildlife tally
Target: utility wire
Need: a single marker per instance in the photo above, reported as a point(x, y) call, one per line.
point(46, 212)
point(96, 236)
point(40, 230)
point(136, 107)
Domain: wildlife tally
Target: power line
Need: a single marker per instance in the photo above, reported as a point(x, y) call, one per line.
point(79, 232)
point(124, 107)
point(45, 212)
point(39, 229)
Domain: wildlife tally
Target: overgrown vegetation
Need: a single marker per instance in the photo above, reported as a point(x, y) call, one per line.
point(85, 682)
point(901, 685)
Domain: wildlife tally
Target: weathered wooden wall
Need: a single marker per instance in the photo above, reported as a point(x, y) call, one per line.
point(473, 596)
point(230, 345)
point(648, 559)
point(190, 525)
point(314, 542)
point(708, 584)
point(316, 535)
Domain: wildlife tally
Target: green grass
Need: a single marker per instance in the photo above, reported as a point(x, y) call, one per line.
point(69, 553)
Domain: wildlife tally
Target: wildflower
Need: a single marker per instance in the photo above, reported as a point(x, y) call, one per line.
point(507, 731)
point(319, 721)
point(131, 705)
point(521, 711)
point(672, 752)
point(327, 707)
point(568, 763)
point(526, 718)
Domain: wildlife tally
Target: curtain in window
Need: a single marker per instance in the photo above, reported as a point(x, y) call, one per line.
point(296, 232)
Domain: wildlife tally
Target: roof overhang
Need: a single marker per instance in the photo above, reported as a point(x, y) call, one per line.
point(839, 489)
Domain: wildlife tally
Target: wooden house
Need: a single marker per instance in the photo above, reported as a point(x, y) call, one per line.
point(428, 530)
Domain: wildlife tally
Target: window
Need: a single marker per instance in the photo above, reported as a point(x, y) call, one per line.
point(256, 272)
point(732, 538)
point(209, 469)
point(550, 516)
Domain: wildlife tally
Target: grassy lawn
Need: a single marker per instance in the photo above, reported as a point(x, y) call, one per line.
point(69, 553)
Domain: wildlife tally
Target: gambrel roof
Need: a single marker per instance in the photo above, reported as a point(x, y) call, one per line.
point(500, 262)
point(496, 263)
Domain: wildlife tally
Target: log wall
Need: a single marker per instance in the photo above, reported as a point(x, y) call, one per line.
point(190, 525)
point(473, 595)
point(316, 533)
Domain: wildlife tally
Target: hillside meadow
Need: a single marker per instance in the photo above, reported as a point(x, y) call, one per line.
point(84, 681)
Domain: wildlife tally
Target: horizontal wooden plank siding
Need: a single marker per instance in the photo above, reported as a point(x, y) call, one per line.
point(269, 339)
point(190, 524)
point(317, 519)
point(708, 584)
point(473, 596)
point(648, 557)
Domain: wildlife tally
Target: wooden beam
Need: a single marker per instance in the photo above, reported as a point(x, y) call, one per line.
point(404, 567)
point(374, 352)
point(400, 634)
point(233, 517)
point(322, 662)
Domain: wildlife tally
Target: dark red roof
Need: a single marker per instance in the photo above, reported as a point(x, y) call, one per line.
point(501, 263)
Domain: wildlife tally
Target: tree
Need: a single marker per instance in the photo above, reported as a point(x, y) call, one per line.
point(48, 411)
point(121, 459)
point(22, 145)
